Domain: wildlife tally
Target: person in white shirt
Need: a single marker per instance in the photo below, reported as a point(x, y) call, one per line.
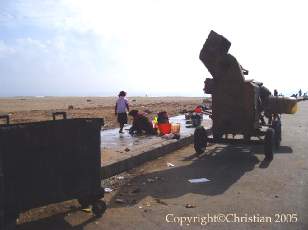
point(121, 108)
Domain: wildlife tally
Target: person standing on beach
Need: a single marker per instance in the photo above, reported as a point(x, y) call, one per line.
point(121, 108)
point(275, 93)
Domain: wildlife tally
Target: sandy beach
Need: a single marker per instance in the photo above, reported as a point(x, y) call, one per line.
point(31, 109)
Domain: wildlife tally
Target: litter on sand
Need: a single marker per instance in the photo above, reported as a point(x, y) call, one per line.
point(150, 180)
point(159, 201)
point(87, 210)
point(170, 165)
point(108, 190)
point(198, 180)
point(120, 177)
point(120, 201)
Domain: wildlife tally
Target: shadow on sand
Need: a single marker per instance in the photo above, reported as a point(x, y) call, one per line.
point(223, 166)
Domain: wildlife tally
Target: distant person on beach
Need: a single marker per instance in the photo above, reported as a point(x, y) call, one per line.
point(300, 93)
point(121, 108)
point(140, 124)
point(275, 93)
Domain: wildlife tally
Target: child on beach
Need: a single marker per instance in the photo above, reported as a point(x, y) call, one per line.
point(120, 110)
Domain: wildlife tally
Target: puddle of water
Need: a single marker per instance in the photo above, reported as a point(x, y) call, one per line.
point(111, 138)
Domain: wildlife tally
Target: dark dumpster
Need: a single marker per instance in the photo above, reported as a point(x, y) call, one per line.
point(48, 162)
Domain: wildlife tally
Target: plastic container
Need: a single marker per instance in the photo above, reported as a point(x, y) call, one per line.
point(164, 128)
point(175, 128)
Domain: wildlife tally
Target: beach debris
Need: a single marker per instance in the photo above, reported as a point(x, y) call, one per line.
point(189, 206)
point(70, 107)
point(120, 177)
point(127, 150)
point(159, 201)
point(120, 201)
point(134, 100)
point(88, 100)
point(140, 207)
point(170, 165)
point(198, 180)
point(108, 190)
point(87, 210)
point(150, 180)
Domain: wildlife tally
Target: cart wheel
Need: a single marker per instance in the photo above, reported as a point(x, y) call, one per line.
point(269, 141)
point(276, 125)
point(200, 139)
point(98, 208)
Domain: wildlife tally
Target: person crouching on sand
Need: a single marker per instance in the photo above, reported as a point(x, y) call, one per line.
point(120, 110)
point(141, 124)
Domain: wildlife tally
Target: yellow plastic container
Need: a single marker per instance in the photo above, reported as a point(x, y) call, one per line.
point(175, 128)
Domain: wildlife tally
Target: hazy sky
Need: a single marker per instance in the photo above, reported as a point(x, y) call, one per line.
point(97, 47)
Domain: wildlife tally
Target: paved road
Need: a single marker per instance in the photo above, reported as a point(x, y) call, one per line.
point(241, 189)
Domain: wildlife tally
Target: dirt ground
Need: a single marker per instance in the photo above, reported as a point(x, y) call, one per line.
point(155, 196)
point(29, 109)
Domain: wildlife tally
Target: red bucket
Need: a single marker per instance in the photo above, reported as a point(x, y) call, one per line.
point(164, 128)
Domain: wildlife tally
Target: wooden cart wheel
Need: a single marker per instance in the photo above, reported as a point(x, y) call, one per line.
point(276, 125)
point(200, 140)
point(98, 208)
point(269, 141)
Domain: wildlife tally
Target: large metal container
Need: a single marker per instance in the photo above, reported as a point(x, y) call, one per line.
point(48, 162)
